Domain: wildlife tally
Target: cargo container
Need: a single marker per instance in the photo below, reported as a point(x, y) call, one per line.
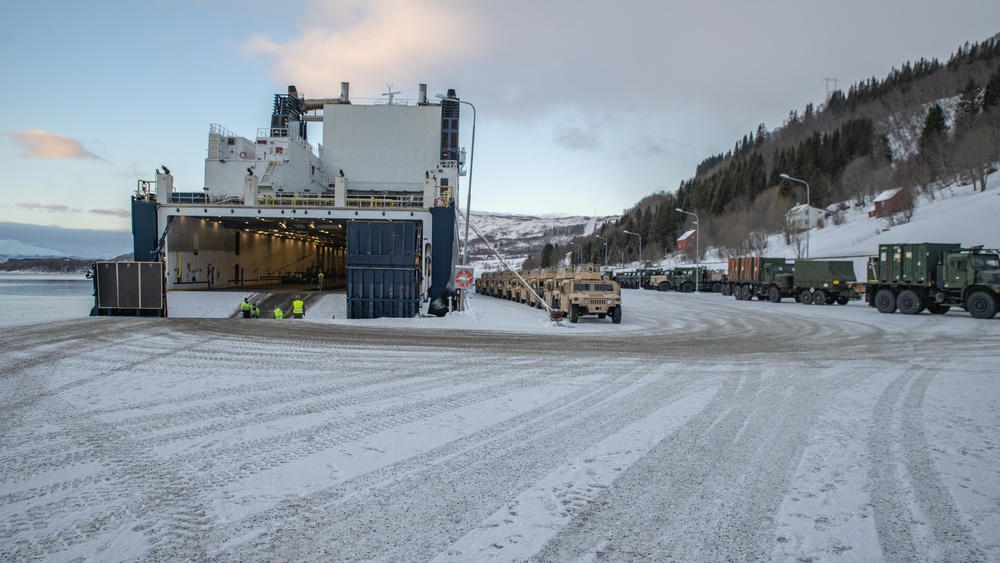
point(824, 282)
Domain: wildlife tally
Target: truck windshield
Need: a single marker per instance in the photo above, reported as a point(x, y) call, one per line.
point(603, 287)
point(985, 261)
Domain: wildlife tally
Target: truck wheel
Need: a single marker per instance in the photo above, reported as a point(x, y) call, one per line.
point(805, 297)
point(747, 293)
point(664, 286)
point(738, 292)
point(773, 295)
point(909, 302)
point(616, 315)
point(574, 313)
point(981, 305)
point(936, 309)
point(842, 300)
point(716, 287)
point(819, 297)
point(885, 301)
point(687, 287)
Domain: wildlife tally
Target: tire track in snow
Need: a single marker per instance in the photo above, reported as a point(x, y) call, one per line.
point(472, 477)
point(907, 491)
point(721, 479)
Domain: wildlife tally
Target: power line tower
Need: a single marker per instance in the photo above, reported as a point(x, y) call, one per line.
point(828, 91)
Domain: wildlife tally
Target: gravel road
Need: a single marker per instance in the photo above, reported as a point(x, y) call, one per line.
point(701, 429)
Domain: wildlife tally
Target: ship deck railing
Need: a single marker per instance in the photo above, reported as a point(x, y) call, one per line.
point(362, 201)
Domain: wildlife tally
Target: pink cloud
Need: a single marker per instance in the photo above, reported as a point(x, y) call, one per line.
point(36, 143)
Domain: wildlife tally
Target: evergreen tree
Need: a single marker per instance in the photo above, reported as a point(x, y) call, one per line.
point(934, 125)
point(991, 93)
point(546, 259)
point(969, 100)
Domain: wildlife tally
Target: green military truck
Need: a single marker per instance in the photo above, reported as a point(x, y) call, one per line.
point(763, 278)
point(934, 276)
point(823, 282)
point(682, 279)
point(817, 282)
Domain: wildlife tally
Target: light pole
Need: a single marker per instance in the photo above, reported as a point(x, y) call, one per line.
point(808, 208)
point(697, 248)
point(640, 244)
point(581, 250)
point(468, 189)
point(605, 249)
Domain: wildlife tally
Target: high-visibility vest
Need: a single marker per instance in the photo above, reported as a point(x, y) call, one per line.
point(244, 306)
point(298, 307)
point(278, 314)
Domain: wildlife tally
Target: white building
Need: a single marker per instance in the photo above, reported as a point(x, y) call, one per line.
point(802, 215)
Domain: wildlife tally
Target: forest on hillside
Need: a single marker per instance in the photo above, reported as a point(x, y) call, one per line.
point(923, 126)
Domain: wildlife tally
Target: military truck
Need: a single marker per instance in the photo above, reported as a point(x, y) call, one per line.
point(683, 279)
point(934, 276)
point(588, 293)
point(822, 282)
point(763, 278)
point(554, 285)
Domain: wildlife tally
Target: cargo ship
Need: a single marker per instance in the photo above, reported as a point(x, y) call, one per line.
point(373, 208)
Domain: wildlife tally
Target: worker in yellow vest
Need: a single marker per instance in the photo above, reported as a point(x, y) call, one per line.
point(245, 307)
point(278, 313)
point(320, 277)
point(298, 308)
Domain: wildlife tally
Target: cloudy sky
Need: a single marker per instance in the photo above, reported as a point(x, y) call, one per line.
point(582, 106)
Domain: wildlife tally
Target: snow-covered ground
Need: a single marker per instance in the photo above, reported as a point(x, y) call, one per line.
point(701, 429)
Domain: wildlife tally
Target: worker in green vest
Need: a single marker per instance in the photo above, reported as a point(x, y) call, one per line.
point(298, 308)
point(278, 313)
point(245, 307)
point(254, 312)
point(321, 281)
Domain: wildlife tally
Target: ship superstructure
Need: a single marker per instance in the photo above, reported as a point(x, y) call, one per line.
point(372, 207)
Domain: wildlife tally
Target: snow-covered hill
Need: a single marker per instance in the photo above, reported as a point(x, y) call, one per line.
point(518, 236)
point(956, 214)
point(12, 249)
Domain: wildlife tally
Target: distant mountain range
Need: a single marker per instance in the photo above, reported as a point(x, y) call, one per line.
point(521, 236)
point(20, 240)
point(13, 249)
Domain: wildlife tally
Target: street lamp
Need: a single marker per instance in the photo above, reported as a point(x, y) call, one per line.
point(472, 160)
point(808, 208)
point(581, 250)
point(697, 248)
point(605, 249)
point(640, 244)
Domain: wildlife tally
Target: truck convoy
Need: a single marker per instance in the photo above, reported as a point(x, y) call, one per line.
point(575, 292)
point(904, 277)
point(934, 276)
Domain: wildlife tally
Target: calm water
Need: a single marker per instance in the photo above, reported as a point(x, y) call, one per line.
point(45, 295)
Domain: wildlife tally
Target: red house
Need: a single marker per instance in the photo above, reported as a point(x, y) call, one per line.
point(887, 203)
point(684, 240)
